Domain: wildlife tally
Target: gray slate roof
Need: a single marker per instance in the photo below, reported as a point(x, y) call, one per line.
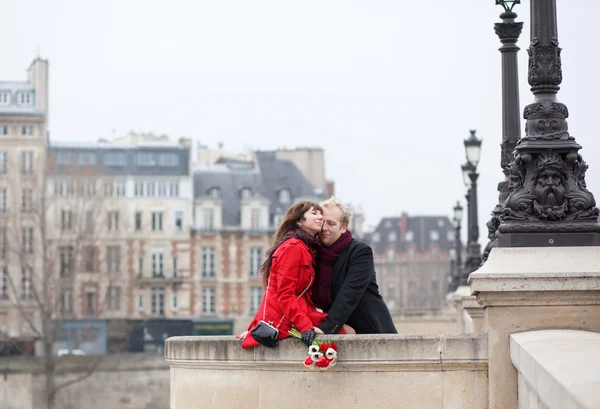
point(267, 178)
point(97, 155)
point(13, 88)
point(424, 230)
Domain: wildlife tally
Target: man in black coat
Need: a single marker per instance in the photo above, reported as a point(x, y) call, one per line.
point(346, 287)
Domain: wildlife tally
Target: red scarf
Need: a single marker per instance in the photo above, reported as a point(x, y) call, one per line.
point(326, 258)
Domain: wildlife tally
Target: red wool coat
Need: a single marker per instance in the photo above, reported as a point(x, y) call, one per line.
point(287, 301)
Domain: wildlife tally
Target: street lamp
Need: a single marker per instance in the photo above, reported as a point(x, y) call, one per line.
point(508, 32)
point(548, 204)
point(456, 253)
point(473, 148)
point(473, 154)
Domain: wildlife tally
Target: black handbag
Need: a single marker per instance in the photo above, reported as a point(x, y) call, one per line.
point(266, 334)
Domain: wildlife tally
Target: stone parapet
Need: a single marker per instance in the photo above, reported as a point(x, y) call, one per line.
point(557, 369)
point(374, 371)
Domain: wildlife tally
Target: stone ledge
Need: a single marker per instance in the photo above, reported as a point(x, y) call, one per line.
point(560, 366)
point(538, 276)
point(381, 353)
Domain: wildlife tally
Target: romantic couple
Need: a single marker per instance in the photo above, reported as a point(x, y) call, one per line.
point(318, 279)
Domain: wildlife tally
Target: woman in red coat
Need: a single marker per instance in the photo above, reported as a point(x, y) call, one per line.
point(288, 275)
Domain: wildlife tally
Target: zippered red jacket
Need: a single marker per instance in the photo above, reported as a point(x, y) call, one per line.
point(287, 299)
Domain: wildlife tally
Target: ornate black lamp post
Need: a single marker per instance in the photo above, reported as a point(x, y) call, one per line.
point(548, 204)
point(508, 31)
point(456, 254)
point(473, 152)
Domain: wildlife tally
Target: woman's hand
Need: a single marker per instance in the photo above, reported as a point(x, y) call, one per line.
point(242, 335)
point(318, 331)
point(318, 309)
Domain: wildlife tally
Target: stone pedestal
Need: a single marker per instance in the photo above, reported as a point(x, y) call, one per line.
point(533, 288)
point(454, 300)
point(476, 323)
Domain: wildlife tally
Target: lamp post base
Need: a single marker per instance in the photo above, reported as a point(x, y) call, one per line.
point(549, 239)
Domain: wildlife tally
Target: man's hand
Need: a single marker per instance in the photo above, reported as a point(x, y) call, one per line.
point(308, 337)
point(318, 331)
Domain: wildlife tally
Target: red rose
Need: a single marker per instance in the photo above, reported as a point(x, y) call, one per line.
point(308, 361)
point(333, 345)
point(323, 347)
point(323, 363)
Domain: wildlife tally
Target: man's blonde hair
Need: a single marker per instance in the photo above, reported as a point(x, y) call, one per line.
point(346, 212)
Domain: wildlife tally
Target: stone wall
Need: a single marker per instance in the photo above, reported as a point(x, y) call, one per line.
point(373, 371)
point(128, 381)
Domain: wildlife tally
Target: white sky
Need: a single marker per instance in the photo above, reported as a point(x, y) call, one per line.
point(388, 88)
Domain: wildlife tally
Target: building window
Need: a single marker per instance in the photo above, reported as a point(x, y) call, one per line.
point(115, 159)
point(168, 159)
point(256, 295)
point(178, 221)
point(376, 237)
point(175, 306)
point(90, 303)
point(277, 219)
point(26, 290)
point(138, 221)
point(89, 259)
point(86, 158)
point(158, 301)
point(208, 262)
point(4, 162)
point(27, 200)
point(150, 189)
point(409, 236)
point(25, 98)
point(209, 219)
point(28, 239)
point(66, 260)
point(66, 220)
point(113, 221)
point(138, 189)
point(175, 266)
point(140, 302)
point(27, 162)
point(145, 159)
point(121, 188)
point(174, 189)
point(3, 242)
point(66, 300)
point(27, 130)
point(113, 259)
point(3, 130)
point(255, 219)
point(391, 255)
point(214, 192)
point(114, 298)
point(434, 235)
point(255, 260)
point(3, 282)
point(157, 224)
point(157, 263)
point(4, 98)
point(392, 236)
point(141, 266)
point(3, 200)
point(162, 189)
point(208, 300)
point(245, 193)
point(285, 196)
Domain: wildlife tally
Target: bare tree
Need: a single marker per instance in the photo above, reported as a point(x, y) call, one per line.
point(57, 220)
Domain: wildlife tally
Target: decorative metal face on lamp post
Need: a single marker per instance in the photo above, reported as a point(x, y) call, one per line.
point(457, 253)
point(508, 31)
point(549, 204)
point(473, 152)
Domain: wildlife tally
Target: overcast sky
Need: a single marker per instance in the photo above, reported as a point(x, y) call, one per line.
point(388, 88)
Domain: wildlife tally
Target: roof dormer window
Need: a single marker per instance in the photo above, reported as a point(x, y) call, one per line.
point(409, 236)
point(214, 192)
point(245, 193)
point(434, 235)
point(25, 98)
point(4, 98)
point(285, 196)
point(392, 236)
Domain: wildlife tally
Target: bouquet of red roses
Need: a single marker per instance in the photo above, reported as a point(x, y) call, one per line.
point(321, 354)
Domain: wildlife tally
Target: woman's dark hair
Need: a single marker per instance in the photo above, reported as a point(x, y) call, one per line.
point(292, 217)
